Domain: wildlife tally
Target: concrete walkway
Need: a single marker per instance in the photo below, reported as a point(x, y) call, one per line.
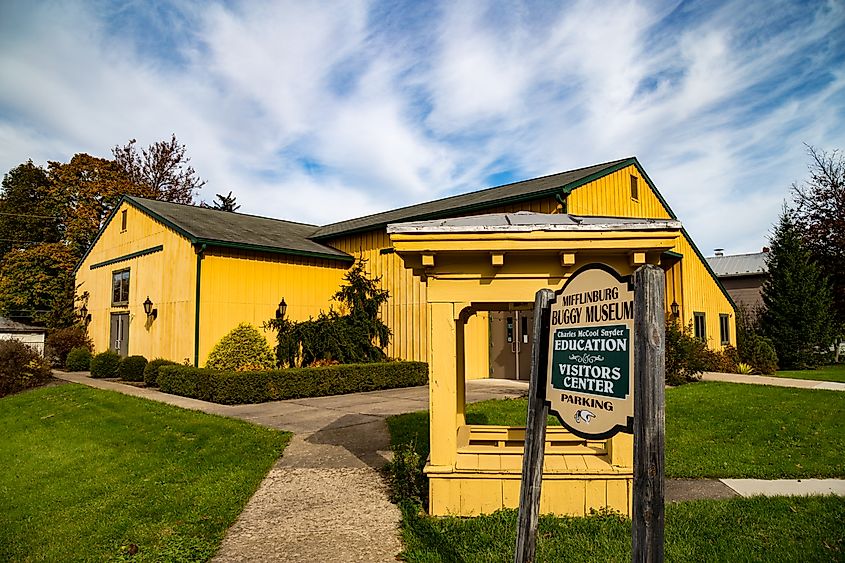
point(325, 499)
point(776, 381)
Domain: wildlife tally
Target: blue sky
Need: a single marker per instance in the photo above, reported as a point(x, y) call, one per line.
point(319, 112)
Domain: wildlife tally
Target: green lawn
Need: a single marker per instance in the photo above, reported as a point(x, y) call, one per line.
point(85, 473)
point(752, 529)
point(824, 373)
point(712, 430)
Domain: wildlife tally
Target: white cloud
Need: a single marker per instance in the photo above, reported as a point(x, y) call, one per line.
point(317, 112)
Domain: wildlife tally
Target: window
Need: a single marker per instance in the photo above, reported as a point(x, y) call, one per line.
point(123, 220)
point(120, 287)
point(724, 329)
point(635, 188)
point(700, 326)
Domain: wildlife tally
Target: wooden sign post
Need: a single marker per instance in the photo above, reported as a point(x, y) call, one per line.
point(598, 344)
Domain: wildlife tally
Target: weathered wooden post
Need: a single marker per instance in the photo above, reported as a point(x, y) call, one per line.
point(535, 433)
point(649, 415)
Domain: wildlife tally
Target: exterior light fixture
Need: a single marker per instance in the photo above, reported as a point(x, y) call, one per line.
point(283, 307)
point(676, 311)
point(148, 309)
point(83, 313)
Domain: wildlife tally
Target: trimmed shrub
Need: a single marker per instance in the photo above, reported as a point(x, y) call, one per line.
point(21, 367)
point(78, 359)
point(105, 364)
point(233, 388)
point(60, 342)
point(243, 347)
point(151, 371)
point(131, 368)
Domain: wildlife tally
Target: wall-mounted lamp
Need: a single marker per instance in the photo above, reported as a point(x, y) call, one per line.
point(283, 308)
point(148, 309)
point(676, 311)
point(83, 313)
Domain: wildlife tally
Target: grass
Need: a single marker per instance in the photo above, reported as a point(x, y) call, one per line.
point(713, 429)
point(824, 373)
point(86, 473)
point(741, 529)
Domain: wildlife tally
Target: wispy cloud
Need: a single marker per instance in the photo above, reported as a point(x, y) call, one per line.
point(319, 112)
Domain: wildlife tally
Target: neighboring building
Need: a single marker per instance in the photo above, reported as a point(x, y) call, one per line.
point(742, 275)
point(32, 336)
point(204, 270)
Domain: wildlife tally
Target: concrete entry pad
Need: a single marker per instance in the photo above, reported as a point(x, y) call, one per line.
point(694, 489)
point(784, 487)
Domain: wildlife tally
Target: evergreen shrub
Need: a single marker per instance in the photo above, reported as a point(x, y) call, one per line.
point(21, 367)
point(105, 364)
point(687, 357)
point(759, 353)
point(232, 388)
point(131, 368)
point(78, 359)
point(60, 342)
point(151, 371)
point(244, 347)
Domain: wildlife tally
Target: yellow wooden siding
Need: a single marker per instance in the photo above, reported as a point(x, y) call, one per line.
point(701, 294)
point(611, 196)
point(243, 286)
point(167, 277)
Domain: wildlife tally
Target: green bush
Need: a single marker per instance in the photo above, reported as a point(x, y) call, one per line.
point(243, 348)
point(151, 371)
point(131, 368)
point(687, 357)
point(232, 388)
point(21, 367)
point(105, 364)
point(759, 352)
point(60, 342)
point(78, 359)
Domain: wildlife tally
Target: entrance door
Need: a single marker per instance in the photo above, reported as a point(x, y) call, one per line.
point(119, 338)
point(510, 344)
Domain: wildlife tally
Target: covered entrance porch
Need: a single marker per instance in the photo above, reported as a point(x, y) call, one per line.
point(493, 265)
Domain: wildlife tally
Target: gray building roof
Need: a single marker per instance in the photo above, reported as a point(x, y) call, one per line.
point(7, 326)
point(473, 201)
point(739, 264)
point(527, 221)
point(202, 225)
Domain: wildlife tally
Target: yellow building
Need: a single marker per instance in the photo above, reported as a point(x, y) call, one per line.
point(461, 273)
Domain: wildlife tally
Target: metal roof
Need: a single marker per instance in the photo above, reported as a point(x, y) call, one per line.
point(7, 325)
point(203, 225)
point(527, 221)
point(739, 264)
point(482, 199)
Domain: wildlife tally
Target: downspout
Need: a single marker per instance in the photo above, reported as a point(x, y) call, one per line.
point(200, 252)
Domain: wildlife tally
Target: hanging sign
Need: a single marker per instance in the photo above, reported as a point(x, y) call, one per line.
point(590, 384)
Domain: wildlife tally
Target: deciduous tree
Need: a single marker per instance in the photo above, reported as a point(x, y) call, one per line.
point(29, 210)
point(162, 170)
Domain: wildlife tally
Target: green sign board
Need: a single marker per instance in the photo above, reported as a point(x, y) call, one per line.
point(591, 355)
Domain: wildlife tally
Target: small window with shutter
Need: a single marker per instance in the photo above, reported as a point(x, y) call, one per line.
point(123, 221)
point(635, 188)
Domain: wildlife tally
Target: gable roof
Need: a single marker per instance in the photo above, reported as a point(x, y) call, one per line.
point(561, 184)
point(204, 225)
point(736, 265)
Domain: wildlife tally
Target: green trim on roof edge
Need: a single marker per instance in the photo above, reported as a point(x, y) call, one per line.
point(569, 188)
point(673, 254)
point(709, 269)
point(272, 250)
point(129, 256)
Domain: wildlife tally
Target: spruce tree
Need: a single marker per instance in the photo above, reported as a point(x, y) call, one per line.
point(799, 307)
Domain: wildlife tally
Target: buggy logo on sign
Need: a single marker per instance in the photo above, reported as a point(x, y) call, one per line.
point(591, 353)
